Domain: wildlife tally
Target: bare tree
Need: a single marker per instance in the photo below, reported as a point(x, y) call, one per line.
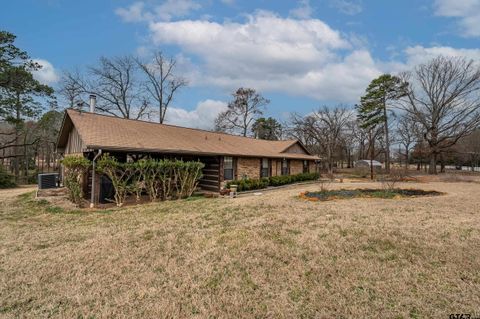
point(468, 149)
point(117, 87)
point(161, 84)
point(407, 135)
point(326, 126)
point(242, 112)
point(72, 88)
point(443, 97)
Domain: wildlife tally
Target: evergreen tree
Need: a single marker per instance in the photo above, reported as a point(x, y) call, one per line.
point(246, 107)
point(20, 93)
point(267, 129)
point(373, 108)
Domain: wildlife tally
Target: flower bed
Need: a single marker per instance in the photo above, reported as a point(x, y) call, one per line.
point(365, 193)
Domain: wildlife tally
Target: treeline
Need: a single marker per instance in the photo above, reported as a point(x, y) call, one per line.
point(428, 116)
point(27, 134)
point(30, 119)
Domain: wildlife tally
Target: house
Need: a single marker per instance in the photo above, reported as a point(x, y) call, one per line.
point(226, 157)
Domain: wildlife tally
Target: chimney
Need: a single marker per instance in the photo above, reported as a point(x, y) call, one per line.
point(93, 102)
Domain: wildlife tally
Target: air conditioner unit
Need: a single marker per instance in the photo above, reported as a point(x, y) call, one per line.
point(48, 180)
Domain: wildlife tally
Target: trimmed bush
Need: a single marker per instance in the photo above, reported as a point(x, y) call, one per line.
point(120, 174)
point(6, 180)
point(252, 184)
point(161, 179)
point(75, 167)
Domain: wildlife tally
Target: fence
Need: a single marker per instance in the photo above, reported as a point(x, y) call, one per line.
point(463, 168)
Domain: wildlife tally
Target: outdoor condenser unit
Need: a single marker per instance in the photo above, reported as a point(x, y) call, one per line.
point(48, 180)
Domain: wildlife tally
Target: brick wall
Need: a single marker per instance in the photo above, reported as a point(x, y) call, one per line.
point(249, 167)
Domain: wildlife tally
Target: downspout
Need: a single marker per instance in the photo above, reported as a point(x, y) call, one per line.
point(92, 196)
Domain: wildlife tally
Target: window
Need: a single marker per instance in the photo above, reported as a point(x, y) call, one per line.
point(285, 168)
point(305, 166)
point(228, 168)
point(264, 168)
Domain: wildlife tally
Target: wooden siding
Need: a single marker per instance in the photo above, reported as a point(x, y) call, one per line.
point(74, 143)
point(295, 149)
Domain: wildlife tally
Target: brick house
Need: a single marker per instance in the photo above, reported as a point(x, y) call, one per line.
point(225, 156)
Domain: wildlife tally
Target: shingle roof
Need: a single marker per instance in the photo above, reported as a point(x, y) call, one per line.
point(113, 133)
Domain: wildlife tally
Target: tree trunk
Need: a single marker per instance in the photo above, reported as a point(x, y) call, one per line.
point(349, 160)
point(442, 163)
point(387, 141)
point(17, 138)
point(25, 157)
point(406, 158)
point(330, 161)
point(372, 154)
point(432, 169)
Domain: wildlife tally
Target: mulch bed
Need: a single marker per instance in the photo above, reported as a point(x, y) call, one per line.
point(366, 193)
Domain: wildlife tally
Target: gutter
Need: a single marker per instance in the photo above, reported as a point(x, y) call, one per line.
point(92, 196)
point(188, 152)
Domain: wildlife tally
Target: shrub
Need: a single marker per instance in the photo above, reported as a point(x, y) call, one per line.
point(119, 173)
point(389, 181)
point(164, 179)
point(148, 171)
point(6, 180)
point(75, 167)
point(187, 175)
point(252, 184)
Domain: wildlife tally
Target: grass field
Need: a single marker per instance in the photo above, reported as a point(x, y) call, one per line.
point(269, 256)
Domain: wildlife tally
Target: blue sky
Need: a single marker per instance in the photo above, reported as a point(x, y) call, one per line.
point(299, 54)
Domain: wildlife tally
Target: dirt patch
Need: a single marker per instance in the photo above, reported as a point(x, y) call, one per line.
point(366, 193)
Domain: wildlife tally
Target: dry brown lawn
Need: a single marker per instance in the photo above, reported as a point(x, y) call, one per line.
point(269, 256)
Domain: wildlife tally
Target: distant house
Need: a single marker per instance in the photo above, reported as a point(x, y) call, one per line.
point(366, 163)
point(226, 157)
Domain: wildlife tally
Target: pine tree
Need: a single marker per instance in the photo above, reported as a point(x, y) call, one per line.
point(373, 108)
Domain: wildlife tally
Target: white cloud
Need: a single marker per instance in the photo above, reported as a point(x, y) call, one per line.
point(268, 52)
point(169, 9)
point(134, 13)
point(176, 8)
point(349, 7)
point(47, 74)
point(299, 57)
point(303, 11)
point(467, 11)
point(415, 55)
point(203, 116)
point(419, 54)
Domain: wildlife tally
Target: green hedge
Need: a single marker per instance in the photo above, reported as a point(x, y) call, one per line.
point(75, 167)
point(6, 180)
point(252, 184)
point(160, 179)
